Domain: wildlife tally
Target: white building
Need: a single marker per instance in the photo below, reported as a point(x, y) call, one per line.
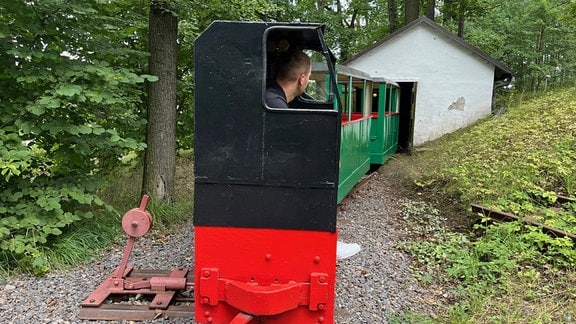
point(446, 83)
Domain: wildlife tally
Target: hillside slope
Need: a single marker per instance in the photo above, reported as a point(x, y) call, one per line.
point(517, 162)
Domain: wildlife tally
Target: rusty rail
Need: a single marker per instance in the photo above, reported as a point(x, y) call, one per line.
point(501, 216)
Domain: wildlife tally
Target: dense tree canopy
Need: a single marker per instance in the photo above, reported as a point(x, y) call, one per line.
point(73, 77)
point(71, 105)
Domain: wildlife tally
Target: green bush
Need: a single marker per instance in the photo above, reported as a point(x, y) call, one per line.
point(70, 109)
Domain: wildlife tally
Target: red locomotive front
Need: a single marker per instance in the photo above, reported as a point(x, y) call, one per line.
point(266, 181)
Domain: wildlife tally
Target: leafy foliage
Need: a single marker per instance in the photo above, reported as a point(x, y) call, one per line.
point(477, 265)
point(534, 38)
point(71, 107)
point(351, 25)
point(193, 18)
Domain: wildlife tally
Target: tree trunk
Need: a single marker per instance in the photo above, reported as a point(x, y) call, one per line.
point(392, 20)
point(411, 11)
point(160, 155)
point(461, 18)
point(430, 8)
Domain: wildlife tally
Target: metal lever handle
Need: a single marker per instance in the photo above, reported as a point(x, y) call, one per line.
point(136, 222)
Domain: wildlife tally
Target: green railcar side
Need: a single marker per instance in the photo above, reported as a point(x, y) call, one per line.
point(384, 127)
point(355, 133)
point(370, 122)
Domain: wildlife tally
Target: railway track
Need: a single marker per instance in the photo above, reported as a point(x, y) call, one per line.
point(359, 186)
point(501, 216)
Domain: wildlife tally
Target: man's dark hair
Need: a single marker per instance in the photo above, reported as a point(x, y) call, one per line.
point(291, 65)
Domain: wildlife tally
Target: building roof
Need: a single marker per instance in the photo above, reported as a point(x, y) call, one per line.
point(321, 67)
point(501, 72)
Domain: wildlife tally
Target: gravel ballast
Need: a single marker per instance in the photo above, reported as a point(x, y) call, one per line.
point(372, 287)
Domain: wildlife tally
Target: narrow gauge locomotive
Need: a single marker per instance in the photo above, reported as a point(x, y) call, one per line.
point(267, 182)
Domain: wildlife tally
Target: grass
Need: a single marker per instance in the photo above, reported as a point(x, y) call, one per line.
point(518, 163)
point(86, 238)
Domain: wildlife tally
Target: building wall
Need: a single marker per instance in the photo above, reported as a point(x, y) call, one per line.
point(454, 86)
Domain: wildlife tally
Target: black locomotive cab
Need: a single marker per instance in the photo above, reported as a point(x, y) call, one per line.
point(259, 166)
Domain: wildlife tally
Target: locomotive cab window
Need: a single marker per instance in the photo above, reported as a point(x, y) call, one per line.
point(293, 61)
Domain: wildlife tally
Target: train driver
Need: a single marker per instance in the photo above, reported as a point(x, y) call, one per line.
point(292, 75)
point(293, 72)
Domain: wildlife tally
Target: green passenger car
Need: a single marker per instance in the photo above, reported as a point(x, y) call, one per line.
point(370, 115)
point(384, 127)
